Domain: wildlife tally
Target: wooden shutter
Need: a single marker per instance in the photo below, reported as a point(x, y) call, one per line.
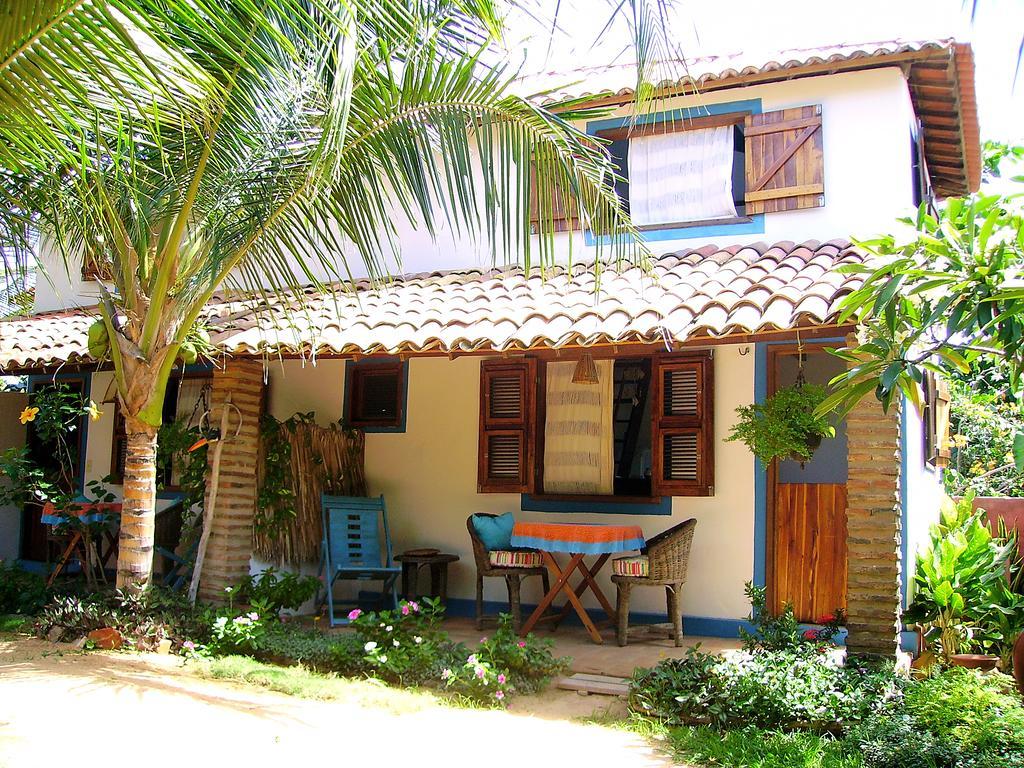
point(682, 432)
point(785, 167)
point(505, 459)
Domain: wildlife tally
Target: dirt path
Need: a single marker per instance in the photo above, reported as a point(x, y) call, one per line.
point(61, 707)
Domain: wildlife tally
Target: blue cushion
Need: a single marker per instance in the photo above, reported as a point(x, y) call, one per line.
point(495, 532)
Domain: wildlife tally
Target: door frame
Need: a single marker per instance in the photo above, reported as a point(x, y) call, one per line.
point(774, 352)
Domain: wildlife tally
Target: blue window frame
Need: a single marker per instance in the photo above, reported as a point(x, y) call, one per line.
point(619, 149)
point(376, 394)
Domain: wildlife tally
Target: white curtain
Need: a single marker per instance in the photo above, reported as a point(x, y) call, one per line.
point(189, 393)
point(681, 176)
point(578, 437)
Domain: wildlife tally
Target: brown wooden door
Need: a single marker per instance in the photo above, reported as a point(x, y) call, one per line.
point(809, 548)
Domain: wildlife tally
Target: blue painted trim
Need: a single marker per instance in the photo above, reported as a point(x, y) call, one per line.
point(904, 510)
point(760, 575)
point(530, 503)
point(404, 396)
point(908, 643)
point(684, 113)
point(753, 225)
point(704, 626)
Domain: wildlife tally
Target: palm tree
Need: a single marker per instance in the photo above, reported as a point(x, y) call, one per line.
point(178, 147)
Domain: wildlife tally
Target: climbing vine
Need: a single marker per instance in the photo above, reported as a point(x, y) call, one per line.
point(275, 499)
point(173, 443)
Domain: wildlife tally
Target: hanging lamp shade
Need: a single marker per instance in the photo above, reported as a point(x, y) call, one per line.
point(586, 370)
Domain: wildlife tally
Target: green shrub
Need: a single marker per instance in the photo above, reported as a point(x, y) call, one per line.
point(402, 645)
point(770, 689)
point(782, 631)
point(959, 718)
point(271, 590)
point(892, 739)
point(20, 591)
point(527, 661)
point(144, 618)
point(293, 643)
point(980, 713)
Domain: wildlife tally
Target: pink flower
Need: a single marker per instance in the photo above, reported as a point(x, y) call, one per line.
point(354, 614)
point(810, 634)
point(501, 679)
point(521, 643)
point(471, 659)
point(414, 606)
point(483, 639)
point(499, 695)
point(188, 645)
point(405, 609)
point(480, 672)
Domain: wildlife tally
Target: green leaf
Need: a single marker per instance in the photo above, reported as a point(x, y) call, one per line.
point(1018, 451)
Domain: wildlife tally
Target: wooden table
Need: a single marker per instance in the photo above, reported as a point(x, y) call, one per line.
point(86, 512)
point(578, 541)
point(437, 562)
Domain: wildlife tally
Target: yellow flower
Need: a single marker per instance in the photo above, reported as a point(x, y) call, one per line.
point(94, 411)
point(29, 414)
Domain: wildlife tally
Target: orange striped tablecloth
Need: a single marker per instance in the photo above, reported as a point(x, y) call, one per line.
point(577, 538)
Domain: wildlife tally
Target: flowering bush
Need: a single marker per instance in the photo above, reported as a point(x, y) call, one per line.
point(528, 661)
point(478, 681)
point(782, 632)
point(235, 634)
point(402, 645)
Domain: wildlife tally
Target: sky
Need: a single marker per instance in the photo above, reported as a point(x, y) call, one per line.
point(754, 26)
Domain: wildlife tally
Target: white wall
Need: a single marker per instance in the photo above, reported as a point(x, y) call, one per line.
point(866, 118)
point(923, 492)
point(428, 477)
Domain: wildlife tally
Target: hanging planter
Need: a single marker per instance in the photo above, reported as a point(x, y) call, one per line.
point(784, 426)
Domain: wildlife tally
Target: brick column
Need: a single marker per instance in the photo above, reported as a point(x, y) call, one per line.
point(873, 528)
point(230, 545)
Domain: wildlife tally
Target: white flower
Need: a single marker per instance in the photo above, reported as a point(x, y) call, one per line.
point(227, 589)
point(394, 643)
point(388, 628)
point(418, 639)
point(369, 646)
point(383, 659)
point(446, 674)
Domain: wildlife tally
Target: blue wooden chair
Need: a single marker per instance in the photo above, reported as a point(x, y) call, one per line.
point(353, 550)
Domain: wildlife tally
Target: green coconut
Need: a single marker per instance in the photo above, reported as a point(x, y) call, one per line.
point(99, 341)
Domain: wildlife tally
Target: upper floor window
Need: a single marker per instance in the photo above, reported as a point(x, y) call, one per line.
point(686, 169)
point(375, 394)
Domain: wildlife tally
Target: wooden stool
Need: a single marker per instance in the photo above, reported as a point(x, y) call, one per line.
point(412, 561)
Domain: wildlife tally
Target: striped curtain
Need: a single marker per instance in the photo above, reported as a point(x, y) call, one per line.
point(578, 436)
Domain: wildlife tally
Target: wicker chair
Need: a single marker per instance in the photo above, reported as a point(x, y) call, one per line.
point(668, 556)
point(513, 576)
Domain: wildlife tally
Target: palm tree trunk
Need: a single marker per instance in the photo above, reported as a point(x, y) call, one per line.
point(135, 544)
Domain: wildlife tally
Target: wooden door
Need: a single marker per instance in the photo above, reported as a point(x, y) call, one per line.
point(809, 566)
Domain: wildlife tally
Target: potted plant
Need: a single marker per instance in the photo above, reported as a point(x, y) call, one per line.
point(784, 425)
point(959, 579)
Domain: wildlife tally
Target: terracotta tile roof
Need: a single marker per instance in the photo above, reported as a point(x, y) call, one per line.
point(707, 292)
point(940, 73)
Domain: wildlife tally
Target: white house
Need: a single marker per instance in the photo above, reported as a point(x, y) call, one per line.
point(750, 177)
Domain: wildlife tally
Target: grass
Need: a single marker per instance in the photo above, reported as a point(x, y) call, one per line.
point(306, 684)
point(14, 623)
point(744, 748)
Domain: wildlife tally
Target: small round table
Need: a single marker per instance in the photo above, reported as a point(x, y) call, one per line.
point(437, 562)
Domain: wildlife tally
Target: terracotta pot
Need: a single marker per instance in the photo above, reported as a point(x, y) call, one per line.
point(974, 661)
point(1018, 663)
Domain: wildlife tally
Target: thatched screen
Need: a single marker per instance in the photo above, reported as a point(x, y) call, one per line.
point(323, 460)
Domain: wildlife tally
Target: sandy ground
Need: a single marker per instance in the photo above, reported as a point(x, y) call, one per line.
point(63, 707)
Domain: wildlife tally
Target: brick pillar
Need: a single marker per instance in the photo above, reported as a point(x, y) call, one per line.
point(873, 528)
point(230, 545)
